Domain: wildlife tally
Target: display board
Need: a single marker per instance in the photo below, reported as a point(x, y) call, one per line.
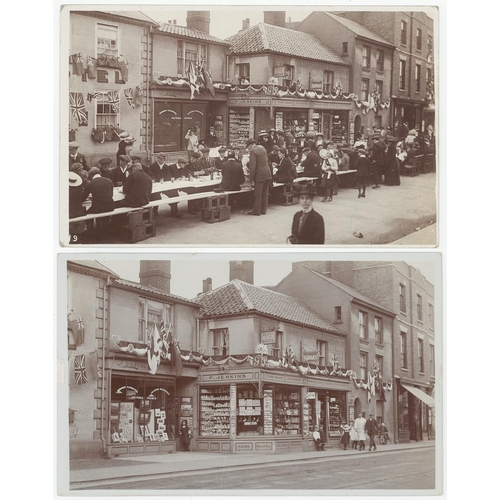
point(215, 411)
point(126, 422)
point(239, 127)
point(186, 411)
point(337, 412)
point(250, 417)
point(268, 412)
point(339, 129)
point(287, 412)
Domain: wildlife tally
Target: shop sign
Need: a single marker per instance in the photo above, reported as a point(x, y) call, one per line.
point(263, 446)
point(232, 411)
point(316, 86)
point(315, 116)
point(310, 356)
point(268, 337)
point(251, 123)
point(139, 366)
point(250, 102)
point(345, 106)
point(228, 376)
point(279, 71)
point(310, 395)
point(273, 377)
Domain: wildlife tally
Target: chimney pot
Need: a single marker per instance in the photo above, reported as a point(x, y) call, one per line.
point(198, 20)
point(241, 270)
point(207, 285)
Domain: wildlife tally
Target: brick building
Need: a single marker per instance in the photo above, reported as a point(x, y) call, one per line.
point(412, 33)
point(369, 328)
point(370, 59)
point(403, 289)
point(286, 79)
point(108, 55)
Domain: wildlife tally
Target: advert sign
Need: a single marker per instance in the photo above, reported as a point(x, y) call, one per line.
point(268, 337)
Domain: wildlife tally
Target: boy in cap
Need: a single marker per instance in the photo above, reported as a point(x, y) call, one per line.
point(75, 156)
point(371, 427)
point(121, 172)
point(104, 164)
point(362, 167)
point(221, 158)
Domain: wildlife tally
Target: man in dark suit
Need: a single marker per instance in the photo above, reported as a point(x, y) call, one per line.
point(176, 171)
point(101, 189)
point(311, 164)
point(260, 177)
point(104, 164)
point(220, 159)
point(371, 428)
point(159, 169)
point(378, 160)
point(76, 157)
point(137, 188)
point(211, 139)
point(308, 226)
point(232, 173)
point(121, 172)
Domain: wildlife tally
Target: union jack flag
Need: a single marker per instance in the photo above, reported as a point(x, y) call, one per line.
point(114, 100)
point(80, 372)
point(129, 95)
point(77, 106)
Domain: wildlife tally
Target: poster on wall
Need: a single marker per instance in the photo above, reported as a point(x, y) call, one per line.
point(232, 418)
point(268, 412)
point(279, 120)
point(127, 421)
point(186, 412)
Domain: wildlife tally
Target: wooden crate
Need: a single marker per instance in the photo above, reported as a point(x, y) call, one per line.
point(212, 215)
point(216, 202)
point(138, 217)
point(138, 233)
point(286, 199)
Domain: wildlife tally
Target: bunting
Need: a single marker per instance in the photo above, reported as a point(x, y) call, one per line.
point(129, 96)
point(77, 106)
point(114, 100)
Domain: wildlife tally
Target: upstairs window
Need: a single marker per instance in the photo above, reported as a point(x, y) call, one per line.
point(367, 55)
point(276, 349)
point(403, 350)
point(150, 314)
point(338, 313)
point(418, 77)
point(379, 337)
point(243, 73)
point(402, 298)
point(220, 342)
point(187, 53)
point(107, 40)
point(404, 32)
point(419, 39)
point(363, 363)
point(363, 327)
point(104, 110)
point(402, 75)
point(420, 315)
point(421, 355)
point(328, 82)
point(379, 86)
point(380, 60)
point(365, 88)
point(322, 347)
point(345, 48)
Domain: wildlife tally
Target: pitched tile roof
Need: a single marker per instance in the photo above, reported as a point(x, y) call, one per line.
point(359, 29)
point(175, 29)
point(151, 289)
point(351, 291)
point(93, 264)
point(267, 37)
point(240, 297)
point(136, 15)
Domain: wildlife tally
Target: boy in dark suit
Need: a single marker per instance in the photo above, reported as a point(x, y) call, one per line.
point(308, 226)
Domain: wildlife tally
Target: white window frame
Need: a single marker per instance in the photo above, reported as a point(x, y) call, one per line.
point(198, 56)
point(117, 28)
point(363, 325)
point(363, 367)
point(380, 321)
point(366, 57)
point(381, 60)
point(277, 348)
point(417, 38)
point(418, 77)
point(327, 81)
point(144, 305)
point(420, 355)
point(405, 24)
point(363, 90)
point(420, 308)
point(404, 334)
point(217, 349)
point(103, 98)
point(402, 77)
point(322, 348)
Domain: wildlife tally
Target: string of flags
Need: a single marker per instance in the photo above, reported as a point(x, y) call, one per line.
point(106, 60)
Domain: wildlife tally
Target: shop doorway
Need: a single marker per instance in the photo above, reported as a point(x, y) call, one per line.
point(415, 411)
point(358, 408)
point(358, 132)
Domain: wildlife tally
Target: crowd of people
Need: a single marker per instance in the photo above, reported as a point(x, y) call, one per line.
point(273, 156)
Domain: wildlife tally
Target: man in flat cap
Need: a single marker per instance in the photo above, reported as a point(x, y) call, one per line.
point(121, 172)
point(221, 158)
point(76, 157)
point(260, 177)
point(104, 164)
point(137, 188)
point(371, 427)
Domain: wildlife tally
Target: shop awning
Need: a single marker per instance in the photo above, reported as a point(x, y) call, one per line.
point(428, 400)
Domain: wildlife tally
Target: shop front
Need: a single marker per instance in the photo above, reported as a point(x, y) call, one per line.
point(257, 410)
point(248, 114)
point(174, 113)
point(408, 111)
point(144, 411)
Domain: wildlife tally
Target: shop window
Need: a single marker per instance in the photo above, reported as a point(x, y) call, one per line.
point(338, 313)
point(418, 77)
point(402, 75)
point(104, 113)
point(419, 39)
point(403, 350)
point(403, 412)
point(380, 60)
point(243, 73)
point(404, 32)
point(420, 350)
point(337, 412)
point(295, 120)
point(144, 409)
point(363, 327)
point(367, 55)
point(363, 364)
point(107, 40)
point(365, 88)
point(322, 348)
point(220, 342)
point(379, 87)
point(150, 314)
point(187, 53)
point(287, 418)
point(402, 298)
point(379, 336)
point(328, 77)
point(345, 48)
point(250, 415)
point(420, 315)
point(214, 411)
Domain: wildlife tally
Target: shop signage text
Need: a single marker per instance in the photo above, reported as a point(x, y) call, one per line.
point(316, 85)
point(250, 102)
point(268, 337)
point(311, 356)
point(310, 395)
point(228, 376)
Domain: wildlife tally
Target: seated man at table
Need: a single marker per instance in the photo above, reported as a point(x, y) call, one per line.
point(220, 159)
point(121, 172)
point(232, 173)
point(137, 188)
point(177, 171)
point(104, 164)
point(75, 156)
point(160, 169)
point(101, 189)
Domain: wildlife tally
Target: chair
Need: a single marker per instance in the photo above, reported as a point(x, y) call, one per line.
point(419, 163)
point(429, 163)
point(410, 170)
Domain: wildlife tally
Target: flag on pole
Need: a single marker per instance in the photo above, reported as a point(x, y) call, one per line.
point(78, 328)
point(80, 372)
point(153, 351)
point(209, 84)
point(77, 61)
point(77, 106)
point(176, 356)
point(192, 80)
point(129, 96)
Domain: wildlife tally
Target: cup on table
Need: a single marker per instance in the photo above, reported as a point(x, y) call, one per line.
point(161, 180)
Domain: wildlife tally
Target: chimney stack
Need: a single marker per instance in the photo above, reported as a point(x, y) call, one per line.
point(207, 285)
point(245, 24)
point(198, 20)
point(155, 273)
point(275, 17)
point(241, 270)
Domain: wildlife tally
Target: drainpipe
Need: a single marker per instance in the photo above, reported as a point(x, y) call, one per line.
point(395, 399)
point(104, 378)
point(150, 55)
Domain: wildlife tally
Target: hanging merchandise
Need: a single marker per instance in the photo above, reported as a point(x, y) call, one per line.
point(77, 106)
point(114, 100)
point(91, 67)
point(77, 62)
point(123, 64)
point(129, 96)
point(80, 371)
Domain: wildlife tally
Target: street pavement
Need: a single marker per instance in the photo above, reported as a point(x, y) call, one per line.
point(404, 466)
point(385, 216)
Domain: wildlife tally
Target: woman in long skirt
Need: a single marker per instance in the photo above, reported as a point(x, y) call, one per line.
point(392, 165)
point(344, 440)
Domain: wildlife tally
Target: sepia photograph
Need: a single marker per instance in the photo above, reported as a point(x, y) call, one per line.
point(318, 375)
point(322, 123)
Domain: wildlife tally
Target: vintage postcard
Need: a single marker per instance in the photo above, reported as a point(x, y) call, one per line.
point(181, 126)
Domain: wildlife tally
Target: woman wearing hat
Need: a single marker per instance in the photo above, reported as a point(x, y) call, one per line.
point(76, 209)
point(121, 146)
point(308, 226)
point(392, 164)
point(329, 168)
point(192, 143)
point(285, 172)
